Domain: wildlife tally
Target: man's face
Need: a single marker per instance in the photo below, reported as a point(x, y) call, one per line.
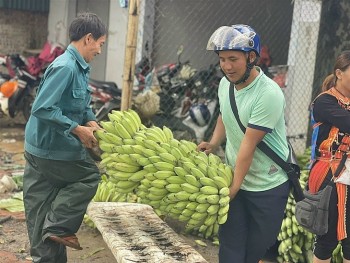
point(233, 63)
point(93, 47)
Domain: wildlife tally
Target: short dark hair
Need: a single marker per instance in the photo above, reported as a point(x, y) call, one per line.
point(84, 24)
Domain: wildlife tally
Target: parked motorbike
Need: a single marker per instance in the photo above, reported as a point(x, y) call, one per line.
point(18, 91)
point(195, 109)
point(166, 77)
point(3, 76)
point(200, 108)
point(142, 70)
point(105, 97)
point(22, 77)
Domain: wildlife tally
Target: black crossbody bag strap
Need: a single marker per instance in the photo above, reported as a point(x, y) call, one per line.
point(261, 145)
point(292, 172)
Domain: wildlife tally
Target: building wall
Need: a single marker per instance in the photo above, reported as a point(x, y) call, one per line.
point(109, 65)
point(21, 30)
point(100, 8)
point(116, 41)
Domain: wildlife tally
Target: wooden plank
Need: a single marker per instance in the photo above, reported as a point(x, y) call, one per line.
point(134, 233)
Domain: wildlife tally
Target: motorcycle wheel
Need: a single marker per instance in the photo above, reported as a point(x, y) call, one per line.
point(27, 107)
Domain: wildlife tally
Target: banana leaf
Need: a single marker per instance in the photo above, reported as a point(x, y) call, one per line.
point(13, 204)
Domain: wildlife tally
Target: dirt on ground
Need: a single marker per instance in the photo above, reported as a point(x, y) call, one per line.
point(14, 242)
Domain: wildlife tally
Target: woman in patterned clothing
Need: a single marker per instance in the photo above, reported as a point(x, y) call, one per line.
point(331, 138)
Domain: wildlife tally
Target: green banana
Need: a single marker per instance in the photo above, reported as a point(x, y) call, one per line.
point(192, 180)
point(175, 179)
point(138, 176)
point(169, 158)
point(125, 167)
point(168, 133)
point(173, 188)
point(164, 166)
point(209, 190)
point(121, 130)
point(189, 188)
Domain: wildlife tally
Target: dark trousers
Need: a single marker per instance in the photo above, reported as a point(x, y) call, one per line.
point(254, 221)
point(56, 195)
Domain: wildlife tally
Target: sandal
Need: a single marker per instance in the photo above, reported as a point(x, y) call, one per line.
point(69, 241)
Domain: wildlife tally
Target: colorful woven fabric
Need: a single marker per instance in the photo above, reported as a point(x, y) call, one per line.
point(329, 159)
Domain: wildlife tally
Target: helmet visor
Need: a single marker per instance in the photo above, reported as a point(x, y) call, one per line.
point(231, 38)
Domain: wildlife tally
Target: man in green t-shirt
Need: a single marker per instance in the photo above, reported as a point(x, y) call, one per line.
point(260, 188)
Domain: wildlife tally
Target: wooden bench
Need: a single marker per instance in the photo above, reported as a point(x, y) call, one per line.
point(134, 233)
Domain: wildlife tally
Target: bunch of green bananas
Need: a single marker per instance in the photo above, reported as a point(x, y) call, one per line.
point(168, 174)
point(304, 159)
point(337, 255)
point(88, 221)
point(107, 192)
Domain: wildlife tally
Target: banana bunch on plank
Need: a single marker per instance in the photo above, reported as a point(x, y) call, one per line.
point(166, 173)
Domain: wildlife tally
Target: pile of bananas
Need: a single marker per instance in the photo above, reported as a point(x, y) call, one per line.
point(168, 174)
point(107, 192)
point(304, 159)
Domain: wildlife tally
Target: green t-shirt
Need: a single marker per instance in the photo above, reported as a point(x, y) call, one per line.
point(260, 106)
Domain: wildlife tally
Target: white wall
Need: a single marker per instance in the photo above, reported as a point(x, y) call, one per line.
point(101, 8)
point(58, 21)
point(118, 22)
point(63, 11)
point(145, 29)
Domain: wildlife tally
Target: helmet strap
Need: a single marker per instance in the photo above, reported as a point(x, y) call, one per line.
point(250, 66)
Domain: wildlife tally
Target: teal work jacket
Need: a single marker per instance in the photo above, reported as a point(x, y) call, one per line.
point(61, 104)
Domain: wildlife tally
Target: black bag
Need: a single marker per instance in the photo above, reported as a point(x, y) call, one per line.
point(312, 212)
point(290, 166)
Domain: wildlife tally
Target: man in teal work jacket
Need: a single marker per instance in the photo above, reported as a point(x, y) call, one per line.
point(60, 177)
